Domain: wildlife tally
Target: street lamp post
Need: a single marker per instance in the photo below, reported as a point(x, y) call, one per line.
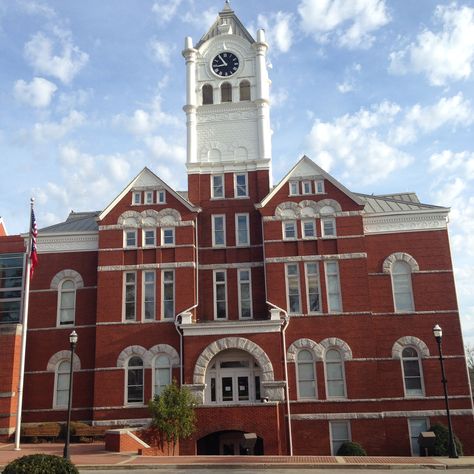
point(438, 334)
point(73, 341)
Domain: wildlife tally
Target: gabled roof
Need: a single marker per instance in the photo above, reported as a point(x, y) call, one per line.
point(402, 202)
point(146, 178)
point(226, 15)
point(307, 167)
point(75, 222)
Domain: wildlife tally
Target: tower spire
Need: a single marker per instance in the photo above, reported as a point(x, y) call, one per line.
point(227, 7)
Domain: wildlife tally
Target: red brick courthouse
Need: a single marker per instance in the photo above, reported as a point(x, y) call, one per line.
point(302, 312)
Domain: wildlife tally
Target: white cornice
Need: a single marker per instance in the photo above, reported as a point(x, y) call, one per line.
point(231, 327)
point(410, 221)
point(68, 242)
point(230, 166)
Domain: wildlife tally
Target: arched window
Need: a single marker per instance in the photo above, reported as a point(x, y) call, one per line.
point(62, 383)
point(401, 284)
point(306, 375)
point(162, 375)
point(226, 92)
point(335, 382)
point(207, 94)
point(412, 377)
point(66, 302)
point(244, 89)
point(135, 380)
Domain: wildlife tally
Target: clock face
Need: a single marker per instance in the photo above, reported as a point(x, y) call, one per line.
point(225, 64)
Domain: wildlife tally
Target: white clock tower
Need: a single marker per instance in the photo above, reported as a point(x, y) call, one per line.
point(227, 99)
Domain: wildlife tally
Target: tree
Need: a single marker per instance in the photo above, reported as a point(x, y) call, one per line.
point(470, 363)
point(441, 447)
point(173, 414)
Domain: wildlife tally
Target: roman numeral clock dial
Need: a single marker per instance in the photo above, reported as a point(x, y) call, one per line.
point(225, 64)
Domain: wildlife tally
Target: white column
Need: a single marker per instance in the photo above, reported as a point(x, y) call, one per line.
point(262, 98)
point(189, 54)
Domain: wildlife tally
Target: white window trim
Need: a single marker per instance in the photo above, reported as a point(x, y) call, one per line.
point(427, 420)
point(147, 194)
point(58, 313)
point(214, 295)
point(309, 237)
point(134, 201)
point(420, 367)
point(296, 183)
point(246, 185)
point(163, 295)
point(284, 231)
point(124, 296)
point(144, 319)
point(212, 186)
point(412, 298)
point(330, 236)
point(332, 397)
point(303, 192)
point(125, 395)
point(55, 392)
point(159, 194)
point(153, 371)
point(316, 181)
point(250, 292)
point(247, 244)
point(213, 217)
point(330, 310)
point(163, 237)
point(125, 239)
point(307, 287)
point(298, 396)
point(331, 439)
point(288, 289)
point(144, 244)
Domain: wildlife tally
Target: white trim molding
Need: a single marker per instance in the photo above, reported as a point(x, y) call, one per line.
point(60, 356)
point(405, 341)
point(134, 351)
point(69, 275)
point(170, 351)
point(335, 342)
point(405, 222)
point(401, 257)
point(308, 344)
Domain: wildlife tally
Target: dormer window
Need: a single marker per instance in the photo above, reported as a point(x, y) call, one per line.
point(226, 92)
point(149, 197)
point(161, 197)
point(306, 187)
point(244, 89)
point(293, 188)
point(319, 186)
point(207, 95)
point(137, 198)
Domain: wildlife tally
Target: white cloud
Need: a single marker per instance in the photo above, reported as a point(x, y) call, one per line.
point(349, 82)
point(165, 10)
point(161, 51)
point(279, 30)
point(49, 131)
point(448, 161)
point(445, 55)
point(37, 8)
point(278, 97)
point(201, 20)
point(164, 150)
point(57, 57)
point(37, 93)
point(350, 22)
point(453, 111)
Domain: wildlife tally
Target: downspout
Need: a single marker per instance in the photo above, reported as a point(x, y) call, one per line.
point(177, 320)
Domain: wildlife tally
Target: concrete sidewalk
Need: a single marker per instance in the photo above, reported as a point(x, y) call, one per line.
point(94, 456)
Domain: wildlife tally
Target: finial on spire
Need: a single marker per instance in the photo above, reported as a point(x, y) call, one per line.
point(227, 6)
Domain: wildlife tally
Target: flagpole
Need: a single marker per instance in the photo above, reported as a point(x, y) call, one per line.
point(26, 301)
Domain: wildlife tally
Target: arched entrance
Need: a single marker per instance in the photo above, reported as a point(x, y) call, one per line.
point(230, 443)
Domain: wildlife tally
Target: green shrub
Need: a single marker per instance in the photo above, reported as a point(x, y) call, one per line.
point(441, 446)
point(351, 449)
point(40, 464)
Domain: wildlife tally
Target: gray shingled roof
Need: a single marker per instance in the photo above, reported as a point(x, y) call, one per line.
point(75, 222)
point(395, 203)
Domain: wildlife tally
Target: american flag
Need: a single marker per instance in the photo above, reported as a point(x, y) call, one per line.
point(34, 235)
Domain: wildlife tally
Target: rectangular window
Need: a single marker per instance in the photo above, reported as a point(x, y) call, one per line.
point(218, 230)
point(137, 198)
point(415, 427)
point(149, 295)
point(11, 284)
point(328, 227)
point(340, 433)
point(293, 188)
point(217, 186)
point(306, 187)
point(167, 236)
point(149, 237)
point(333, 287)
point(167, 277)
point(161, 197)
point(220, 294)
point(289, 230)
point(149, 197)
point(308, 229)
point(240, 183)
point(245, 294)
point(130, 237)
point(242, 229)
point(293, 288)
point(319, 186)
point(313, 287)
point(130, 296)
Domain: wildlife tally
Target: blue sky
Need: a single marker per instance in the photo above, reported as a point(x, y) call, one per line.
point(378, 92)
